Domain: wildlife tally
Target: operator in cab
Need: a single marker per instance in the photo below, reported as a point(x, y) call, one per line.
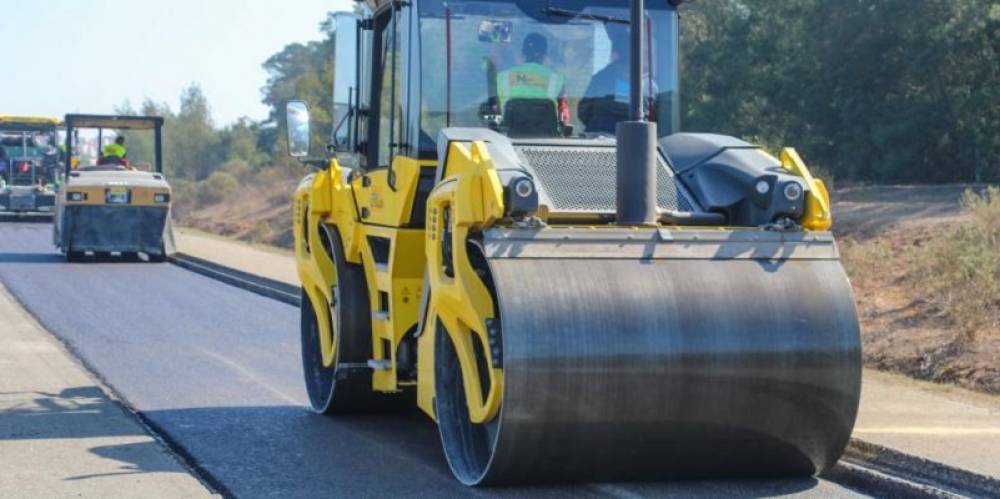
point(533, 80)
point(605, 103)
point(115, 152)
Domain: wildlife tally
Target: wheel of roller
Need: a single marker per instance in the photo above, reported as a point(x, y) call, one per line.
point(157, 257)
point(468, 446)
point(346, 385)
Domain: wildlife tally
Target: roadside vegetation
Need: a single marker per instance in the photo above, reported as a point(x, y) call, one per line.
point(963, 266)
point(928, 293)
point(885, 91)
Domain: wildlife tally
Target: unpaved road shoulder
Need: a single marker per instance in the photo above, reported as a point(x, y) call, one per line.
point(60, 433)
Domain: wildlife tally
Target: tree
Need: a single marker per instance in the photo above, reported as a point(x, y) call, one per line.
point(884, 90)
point(192, 138)
point(239, 142)
point(301, 71)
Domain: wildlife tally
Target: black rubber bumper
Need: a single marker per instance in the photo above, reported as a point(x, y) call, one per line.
point(26, 203)
point(114, 228)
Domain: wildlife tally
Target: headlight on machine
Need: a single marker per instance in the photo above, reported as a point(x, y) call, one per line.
point(162, 197)
point(793, 191)
point(521, 196)
point(524, 187)
point(76, 196)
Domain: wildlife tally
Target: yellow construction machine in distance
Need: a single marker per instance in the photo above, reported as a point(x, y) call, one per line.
point(509, 230)
point(116, 205)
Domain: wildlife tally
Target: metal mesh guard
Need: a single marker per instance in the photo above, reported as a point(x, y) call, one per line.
point(584, 178)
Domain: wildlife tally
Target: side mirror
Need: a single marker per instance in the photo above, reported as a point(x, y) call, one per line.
point(297, 120)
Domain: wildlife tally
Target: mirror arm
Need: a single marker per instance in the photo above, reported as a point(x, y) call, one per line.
point(317, 163)
point(340, 125)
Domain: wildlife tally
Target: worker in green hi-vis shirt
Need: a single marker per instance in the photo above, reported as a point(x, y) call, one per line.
point(532, 79)
point(115, 152)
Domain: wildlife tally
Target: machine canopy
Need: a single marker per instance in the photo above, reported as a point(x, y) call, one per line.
point(87, 136)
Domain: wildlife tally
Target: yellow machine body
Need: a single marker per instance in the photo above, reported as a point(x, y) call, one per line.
point(29, 120)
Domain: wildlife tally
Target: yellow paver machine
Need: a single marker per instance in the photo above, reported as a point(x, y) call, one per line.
point(29, 164)
point(114, 204)
point(509, 231)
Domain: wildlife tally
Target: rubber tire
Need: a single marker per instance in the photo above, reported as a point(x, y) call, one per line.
point(74, 256)
point(157, 258)
point(332, 390)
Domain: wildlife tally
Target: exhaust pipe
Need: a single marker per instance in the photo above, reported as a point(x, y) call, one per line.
point(636, 140)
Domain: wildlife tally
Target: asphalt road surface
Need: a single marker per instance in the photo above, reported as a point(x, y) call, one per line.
point(216, 371)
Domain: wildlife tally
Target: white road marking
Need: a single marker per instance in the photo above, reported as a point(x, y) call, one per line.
point(931, 430)
point(243, 371)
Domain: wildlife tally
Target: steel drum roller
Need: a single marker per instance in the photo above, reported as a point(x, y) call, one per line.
point(627, 369)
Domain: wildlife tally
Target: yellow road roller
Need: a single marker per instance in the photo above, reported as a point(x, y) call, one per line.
point(508, 230)
point(115, 199)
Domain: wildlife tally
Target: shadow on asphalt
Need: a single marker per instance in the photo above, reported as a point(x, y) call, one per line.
point(31, 258)
point(58, 258)
point(289, 451)
point(80, 412)
point(27, 219)
point(84, 412)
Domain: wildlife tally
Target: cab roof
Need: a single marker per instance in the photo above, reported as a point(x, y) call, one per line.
point(375, 4)
point(28, 123)
point(113, 121)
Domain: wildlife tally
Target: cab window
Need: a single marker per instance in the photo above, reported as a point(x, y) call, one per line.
point(389, 102)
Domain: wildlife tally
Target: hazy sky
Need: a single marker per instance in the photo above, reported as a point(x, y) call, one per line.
point(62, 56)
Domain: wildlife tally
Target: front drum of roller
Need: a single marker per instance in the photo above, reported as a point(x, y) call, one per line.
point(619, 369)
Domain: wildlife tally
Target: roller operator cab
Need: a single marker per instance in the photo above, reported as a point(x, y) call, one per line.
point(29, 164)
point(115, 198)
point(508, 230)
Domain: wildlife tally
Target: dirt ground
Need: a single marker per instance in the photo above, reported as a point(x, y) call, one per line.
point(862, 213)
point(260, 212)
point(904, 329)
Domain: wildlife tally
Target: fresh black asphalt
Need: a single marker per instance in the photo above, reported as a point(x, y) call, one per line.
point(216, 371)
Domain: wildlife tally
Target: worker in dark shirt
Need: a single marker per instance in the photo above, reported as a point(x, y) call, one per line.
point(606, 101)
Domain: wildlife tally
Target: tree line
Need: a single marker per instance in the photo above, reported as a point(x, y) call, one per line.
point(867, 90)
